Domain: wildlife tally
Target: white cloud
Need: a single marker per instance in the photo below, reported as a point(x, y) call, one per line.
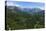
point(17, 5)
point(43, 8)
point(10, 4)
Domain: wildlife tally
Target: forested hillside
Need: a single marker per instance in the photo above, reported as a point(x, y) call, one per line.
point(18, 19)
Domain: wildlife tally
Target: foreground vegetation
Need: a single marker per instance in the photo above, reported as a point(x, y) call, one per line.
point(23, 20)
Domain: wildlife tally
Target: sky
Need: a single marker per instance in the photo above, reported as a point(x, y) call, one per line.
point(28, 0)
point(26, 4)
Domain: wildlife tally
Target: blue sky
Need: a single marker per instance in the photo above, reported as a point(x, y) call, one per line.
point(26, 4)
point(27, 0)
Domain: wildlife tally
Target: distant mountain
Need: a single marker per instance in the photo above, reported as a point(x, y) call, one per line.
point(10, 7)
point(27, 10)
point(41, 12)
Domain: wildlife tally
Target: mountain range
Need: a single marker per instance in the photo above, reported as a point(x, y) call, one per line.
point(28, 10)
